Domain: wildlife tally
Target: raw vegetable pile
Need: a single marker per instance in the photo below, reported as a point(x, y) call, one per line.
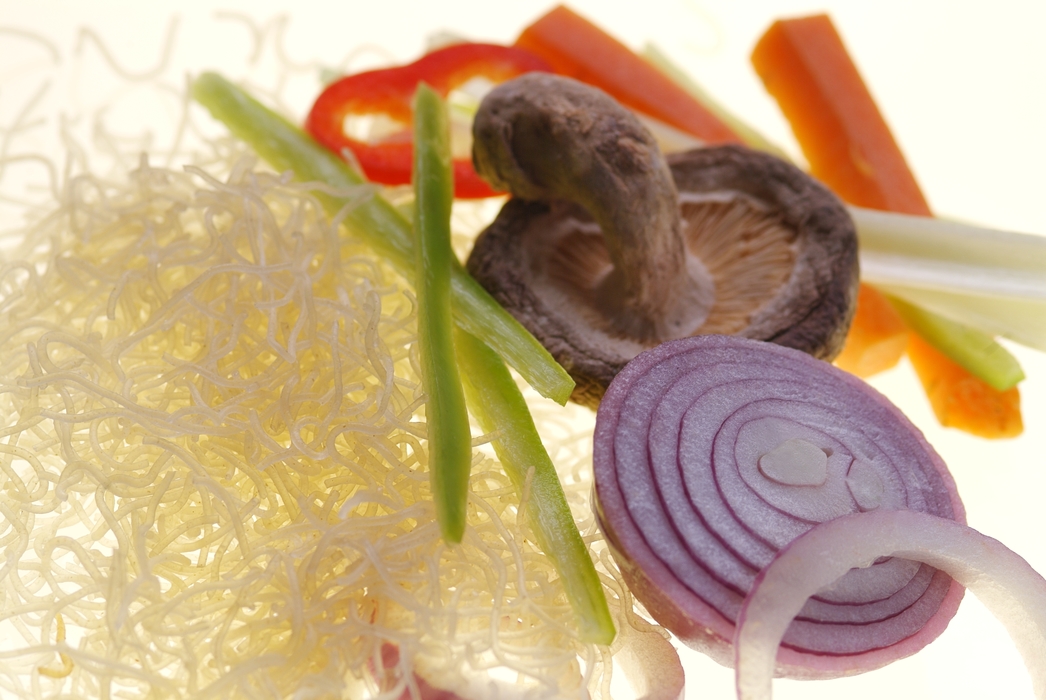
point(215, 463)
point(221, 474)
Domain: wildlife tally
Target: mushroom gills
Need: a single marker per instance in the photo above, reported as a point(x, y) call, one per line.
point(738, 253)
point(577, 277)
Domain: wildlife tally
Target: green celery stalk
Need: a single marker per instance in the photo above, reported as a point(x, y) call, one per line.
point(498, 405)
point(975, 351)
point(449, 433)
point(986, 278)
point(481, 322)
point(286, 147)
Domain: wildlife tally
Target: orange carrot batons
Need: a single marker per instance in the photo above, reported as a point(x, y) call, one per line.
point(575, 47)
point(878, 337)
point(805, 66)
point(960, 400)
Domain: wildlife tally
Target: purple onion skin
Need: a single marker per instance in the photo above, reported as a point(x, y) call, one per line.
point(683, 497)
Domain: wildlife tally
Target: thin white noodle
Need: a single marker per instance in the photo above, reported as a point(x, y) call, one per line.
point(88, 35)
point(21, 122)
point(257, 32)
point(52, 48)
point(214, 456)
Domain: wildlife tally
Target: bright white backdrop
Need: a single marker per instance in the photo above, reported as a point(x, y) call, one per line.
point(963, 87)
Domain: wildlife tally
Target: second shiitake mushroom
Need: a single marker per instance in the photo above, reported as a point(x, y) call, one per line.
point(607, 248)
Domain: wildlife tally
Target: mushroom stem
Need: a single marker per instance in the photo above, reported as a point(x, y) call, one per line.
point(546, 137)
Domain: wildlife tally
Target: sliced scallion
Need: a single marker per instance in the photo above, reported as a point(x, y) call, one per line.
point(449, 435)
point(986, 278)
point(286, 147)
point(500, 409)
point(976, 351)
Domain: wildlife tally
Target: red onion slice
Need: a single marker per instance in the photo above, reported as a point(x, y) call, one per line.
point(1002, 580)
point(713, 452)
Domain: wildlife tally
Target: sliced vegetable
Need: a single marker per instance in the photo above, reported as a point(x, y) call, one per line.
point(1021, 320)
point(500, 409)
point(805, 66)
point(448, 431)
point(1003, 581)
point(388, 91)
point(976, 352)
point(961, 400)
point(713, 453)
point(990, 279)
point(286, 147)
point(608, 248)
point(575, 47)
point(878, 337)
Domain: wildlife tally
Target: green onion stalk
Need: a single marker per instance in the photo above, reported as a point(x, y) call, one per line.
point(975, 351)
point(499, 407)
point(449, 433)
point(487, 338)
point(286, 147)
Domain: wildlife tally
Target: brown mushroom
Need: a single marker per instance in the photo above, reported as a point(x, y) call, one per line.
point(607, 249)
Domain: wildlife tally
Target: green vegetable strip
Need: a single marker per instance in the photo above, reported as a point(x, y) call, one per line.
point(500, 408)
point(449, 434)
point(286, 147)
point(975, 351)
point(985, 278)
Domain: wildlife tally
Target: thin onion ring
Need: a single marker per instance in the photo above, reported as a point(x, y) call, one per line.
point(693, 511)
point(1002, 580)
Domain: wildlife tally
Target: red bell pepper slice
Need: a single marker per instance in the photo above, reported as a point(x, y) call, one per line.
point(390, 90)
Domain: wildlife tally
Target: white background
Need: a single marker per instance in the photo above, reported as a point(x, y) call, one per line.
point(962, 86)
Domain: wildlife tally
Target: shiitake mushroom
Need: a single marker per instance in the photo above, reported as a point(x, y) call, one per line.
point(607, 248)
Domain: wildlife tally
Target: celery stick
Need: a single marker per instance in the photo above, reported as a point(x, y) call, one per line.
point(935, 238)
point(449, 435)
point(380, 225)
point(1019, 320)
point(500, 408)
point(986, 278)
point(975, 351)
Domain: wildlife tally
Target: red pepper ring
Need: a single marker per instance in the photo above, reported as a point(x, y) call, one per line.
point(390, 90)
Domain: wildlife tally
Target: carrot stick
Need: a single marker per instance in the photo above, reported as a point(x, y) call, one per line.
point(805, 66)
point(960, 400)
point(849, 147)
point(878, 337)
point(575, 47)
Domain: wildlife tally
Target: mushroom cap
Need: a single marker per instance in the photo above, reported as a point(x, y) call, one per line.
point(779, 247)
point(811, 309)
point(543, 137)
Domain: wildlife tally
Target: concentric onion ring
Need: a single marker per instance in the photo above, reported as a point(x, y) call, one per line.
point(714, 452)
point(1004, 582)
